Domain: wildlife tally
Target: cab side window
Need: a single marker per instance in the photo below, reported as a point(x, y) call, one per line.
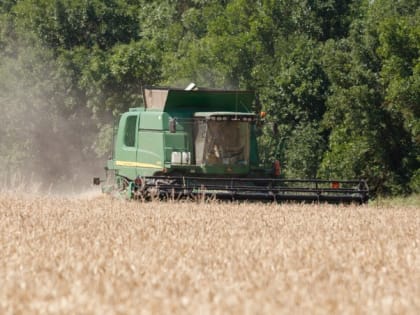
point(130, 131)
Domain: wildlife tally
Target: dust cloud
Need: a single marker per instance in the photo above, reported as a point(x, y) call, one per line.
point(46, 146)
point(54, 155)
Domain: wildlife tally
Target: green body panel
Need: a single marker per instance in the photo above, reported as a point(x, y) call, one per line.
point(150, 157)
point(227, 170)
point(154, 120)
point(160, 138)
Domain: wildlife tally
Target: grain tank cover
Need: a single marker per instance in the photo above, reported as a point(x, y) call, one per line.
point(170, 99)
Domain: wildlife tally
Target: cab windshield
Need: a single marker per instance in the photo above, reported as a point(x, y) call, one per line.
point(222, 142)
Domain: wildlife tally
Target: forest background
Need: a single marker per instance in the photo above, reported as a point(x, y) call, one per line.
point(339, 79)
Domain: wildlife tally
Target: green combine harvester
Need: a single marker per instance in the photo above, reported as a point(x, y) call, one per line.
point(199, 143)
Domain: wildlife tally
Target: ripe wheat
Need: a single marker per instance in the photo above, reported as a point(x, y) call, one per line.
point(106, 256)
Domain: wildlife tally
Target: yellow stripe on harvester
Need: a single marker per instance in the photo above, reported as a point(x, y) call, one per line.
point(137, 164)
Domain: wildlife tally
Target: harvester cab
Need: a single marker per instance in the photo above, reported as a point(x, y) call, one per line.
point(222, 138)
point(202, 142)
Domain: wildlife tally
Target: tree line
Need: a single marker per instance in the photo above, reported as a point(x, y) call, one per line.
point(340, 80)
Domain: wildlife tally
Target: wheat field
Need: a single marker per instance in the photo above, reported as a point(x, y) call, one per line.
point(98, 255)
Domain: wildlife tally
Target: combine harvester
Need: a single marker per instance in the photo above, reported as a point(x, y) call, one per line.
point(202, 143)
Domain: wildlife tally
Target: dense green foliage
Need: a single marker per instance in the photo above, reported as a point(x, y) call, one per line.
point(340, 80)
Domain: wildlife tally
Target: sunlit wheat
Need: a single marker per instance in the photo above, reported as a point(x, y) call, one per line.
point(97, 255)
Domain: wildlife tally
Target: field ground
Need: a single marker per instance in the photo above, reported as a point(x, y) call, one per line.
point(97, 255)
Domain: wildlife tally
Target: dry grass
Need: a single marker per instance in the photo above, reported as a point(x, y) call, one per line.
point(105, 256)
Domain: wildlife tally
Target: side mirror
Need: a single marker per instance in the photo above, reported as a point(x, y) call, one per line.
point(172, 125)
